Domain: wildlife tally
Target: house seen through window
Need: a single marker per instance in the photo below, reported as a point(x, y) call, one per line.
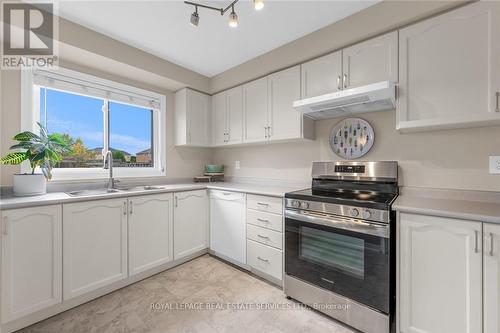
point(92, 125)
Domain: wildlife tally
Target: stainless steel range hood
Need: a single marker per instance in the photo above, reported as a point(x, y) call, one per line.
point(373, 97)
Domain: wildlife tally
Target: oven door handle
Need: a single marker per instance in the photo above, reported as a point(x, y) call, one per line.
point(357, 226)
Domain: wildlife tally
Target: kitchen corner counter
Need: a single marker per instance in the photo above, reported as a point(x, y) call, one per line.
point(466, 205)
point(54, 198)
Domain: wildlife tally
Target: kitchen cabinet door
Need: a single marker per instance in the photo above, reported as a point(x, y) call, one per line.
point(322, 75)
point(94, 245)
point(284, 121)
point(150, 235)
point(219, 121)
point(371, 61)
point(440, 280)
point(190, 223)
point(192, 118)
point(235, 115)
point(491, 278)
point(198, 108)
point(31, 260)
point(450, 69)
point(255, 110)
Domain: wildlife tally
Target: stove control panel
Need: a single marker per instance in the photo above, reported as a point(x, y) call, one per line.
point(370, 214)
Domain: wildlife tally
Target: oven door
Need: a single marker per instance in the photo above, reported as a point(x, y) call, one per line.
point(347, 256)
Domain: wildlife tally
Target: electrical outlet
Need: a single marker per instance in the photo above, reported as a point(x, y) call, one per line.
point(495, 164)
point(237, 165)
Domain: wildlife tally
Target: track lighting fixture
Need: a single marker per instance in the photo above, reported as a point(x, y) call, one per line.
point(233, 17)
point(258, 4)
point(195, 18)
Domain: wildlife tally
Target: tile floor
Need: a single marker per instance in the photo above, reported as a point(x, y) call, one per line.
point(200, 281)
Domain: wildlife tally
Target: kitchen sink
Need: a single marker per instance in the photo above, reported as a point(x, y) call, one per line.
point(142, 188)
point(85, 193)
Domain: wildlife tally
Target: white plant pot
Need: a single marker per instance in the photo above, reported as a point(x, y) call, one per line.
point(29, 184)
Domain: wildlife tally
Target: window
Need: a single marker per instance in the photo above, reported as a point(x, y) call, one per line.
point(96, 116)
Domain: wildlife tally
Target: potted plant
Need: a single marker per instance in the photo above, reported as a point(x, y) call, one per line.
point(43, 151)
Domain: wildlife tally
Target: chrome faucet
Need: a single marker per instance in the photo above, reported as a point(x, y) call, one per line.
point(108, 164)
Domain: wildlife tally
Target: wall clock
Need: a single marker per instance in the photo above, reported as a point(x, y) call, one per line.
point(352, 138)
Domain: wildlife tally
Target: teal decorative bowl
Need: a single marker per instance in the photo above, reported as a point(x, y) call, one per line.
point(214, 168)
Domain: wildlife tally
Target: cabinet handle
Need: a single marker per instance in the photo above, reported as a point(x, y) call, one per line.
point(263, 204)
point(228, 136)
point(345, 81)
point(339, 86)
point(124, 208)
point(265, 237)
point(5, 226)
point(497, 94)
point(131, 207)
point(262, 259)
point(265, 132)
point(176, 201)
point(268, 132)
point(263, 220)
point(476, 245)
point(491, 244)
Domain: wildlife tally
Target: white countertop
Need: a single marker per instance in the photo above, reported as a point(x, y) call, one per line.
point(466, 205)
point(11, 202)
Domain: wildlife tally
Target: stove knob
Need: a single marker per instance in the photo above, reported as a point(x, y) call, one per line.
point(305, 205)
point(367, 214)
point(296, 203)
point(354, 212)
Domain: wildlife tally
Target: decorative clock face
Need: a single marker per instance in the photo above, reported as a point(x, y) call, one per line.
point(352, 138)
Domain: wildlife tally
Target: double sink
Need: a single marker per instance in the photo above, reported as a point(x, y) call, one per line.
point(85, 193)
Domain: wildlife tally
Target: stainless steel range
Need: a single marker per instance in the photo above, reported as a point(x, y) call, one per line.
point(340, 243)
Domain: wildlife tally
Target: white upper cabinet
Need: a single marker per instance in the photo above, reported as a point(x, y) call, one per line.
point(371, 61)
point(450, 69)
point(94, 245)
point(491, 278)
point(150, 231)
point(190, 223)
point(440, 280)
point(234, 115)
point(31, 268)
point(192, 118)
point(322, 75)
point(255, 112)
point(227, 117)
point(219, 122)
point(284, 121)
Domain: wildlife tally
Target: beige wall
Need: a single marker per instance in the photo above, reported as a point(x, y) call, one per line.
point(181, 162)
point(382, 17)
point(455, 159)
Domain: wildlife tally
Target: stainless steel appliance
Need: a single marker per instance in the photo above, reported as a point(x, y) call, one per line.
point(340, 243)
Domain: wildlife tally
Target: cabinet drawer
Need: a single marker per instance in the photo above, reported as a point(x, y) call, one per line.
point(265, 259)
point(265, 204)
point(265, 236)
point(266, 220)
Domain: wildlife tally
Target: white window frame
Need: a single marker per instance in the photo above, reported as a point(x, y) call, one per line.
point(30, 114)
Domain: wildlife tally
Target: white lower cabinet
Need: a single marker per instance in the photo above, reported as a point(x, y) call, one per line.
point(265, 259)
point(491, 278)
point(190, 223)
point(150, 231)
point(94, 245)
point(31, 266)
point(440, 275)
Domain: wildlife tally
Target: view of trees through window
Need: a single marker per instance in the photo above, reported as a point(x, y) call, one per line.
point(80, 120)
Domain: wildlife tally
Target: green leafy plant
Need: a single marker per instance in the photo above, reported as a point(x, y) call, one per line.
point(43, 150)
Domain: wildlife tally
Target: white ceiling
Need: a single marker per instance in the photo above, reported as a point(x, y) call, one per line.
point(162, 27)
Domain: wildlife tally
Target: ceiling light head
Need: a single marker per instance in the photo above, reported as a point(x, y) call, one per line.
point(258, 4)
point(195, 18)
point(233, 19)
